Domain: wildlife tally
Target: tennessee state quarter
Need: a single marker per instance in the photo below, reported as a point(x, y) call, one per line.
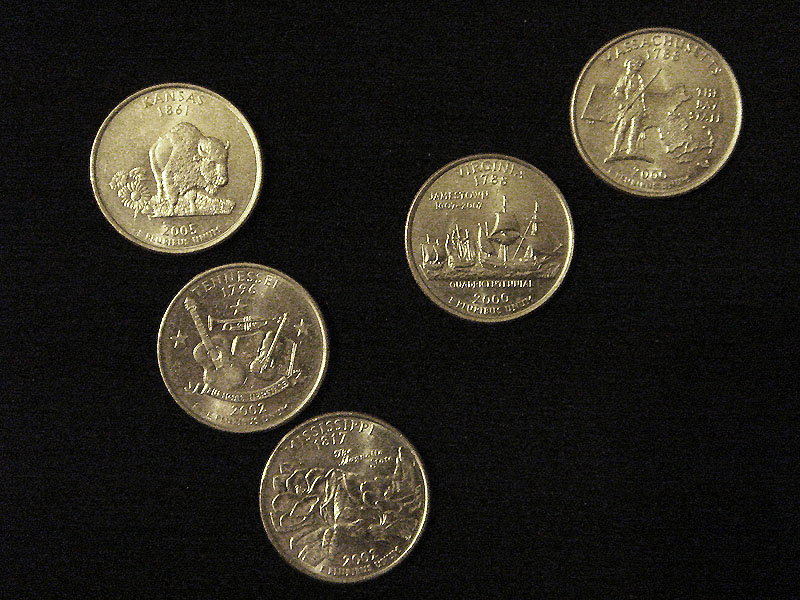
point(344, 497)
point(242, 348)
point(175, 168)
point(489, 238)
point(656, 112)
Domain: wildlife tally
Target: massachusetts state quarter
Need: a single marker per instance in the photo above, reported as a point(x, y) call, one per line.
point(242, 348)
point(176, 168)
point(656, 112)
point(489, 238)
point(344, 497)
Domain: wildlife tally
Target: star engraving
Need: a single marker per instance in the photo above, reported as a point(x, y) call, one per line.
point(179, 339)
point(301, 328)
point(238, 306)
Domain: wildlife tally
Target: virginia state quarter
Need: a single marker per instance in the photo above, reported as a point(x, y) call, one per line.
point(489, 238)
point(656, 112)
point(344, 497)
point(242, 348)
point(176, 168)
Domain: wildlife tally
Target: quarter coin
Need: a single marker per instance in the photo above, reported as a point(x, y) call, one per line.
point(175, 168)
point(656, 112)
point(242, 348)
point(344, 497)
point(489, 238)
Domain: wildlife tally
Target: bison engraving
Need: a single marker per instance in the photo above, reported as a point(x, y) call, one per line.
point(189, 168)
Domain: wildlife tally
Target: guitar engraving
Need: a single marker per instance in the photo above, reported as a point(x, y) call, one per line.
point(219, 369)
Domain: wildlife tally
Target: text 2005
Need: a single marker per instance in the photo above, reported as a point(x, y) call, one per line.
point(176, 230)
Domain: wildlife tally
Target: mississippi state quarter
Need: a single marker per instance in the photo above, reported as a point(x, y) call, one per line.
point(656, 112)
point(242, 348)
point(344, 497)
point(175, 168)
point(489, 238)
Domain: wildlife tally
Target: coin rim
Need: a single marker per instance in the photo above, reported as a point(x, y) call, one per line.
point(424, 287)
point(681, 189)
point(297, 564)
point(179, 249)
point(325, 348)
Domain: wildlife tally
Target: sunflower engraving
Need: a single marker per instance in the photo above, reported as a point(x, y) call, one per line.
point(133, 190)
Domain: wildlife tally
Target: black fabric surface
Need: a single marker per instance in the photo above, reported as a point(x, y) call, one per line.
point(635, 437)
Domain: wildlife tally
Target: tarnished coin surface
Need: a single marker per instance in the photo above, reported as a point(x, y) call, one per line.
point(344, 497)
point(242, 348)
point(656, 112)
point(489, 237)
point(176, 168)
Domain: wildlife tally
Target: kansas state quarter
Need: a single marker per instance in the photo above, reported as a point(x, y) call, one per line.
point(656, 112)
point(344, 497)
point(489, 238)
point(242, 348)
point(176, 168)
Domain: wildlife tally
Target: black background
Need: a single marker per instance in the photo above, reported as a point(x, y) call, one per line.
point(633, 437)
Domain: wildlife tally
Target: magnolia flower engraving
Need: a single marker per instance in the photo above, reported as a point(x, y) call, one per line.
point(323, 509)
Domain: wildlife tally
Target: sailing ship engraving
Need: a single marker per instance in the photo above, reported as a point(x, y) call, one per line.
point(503, 250)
